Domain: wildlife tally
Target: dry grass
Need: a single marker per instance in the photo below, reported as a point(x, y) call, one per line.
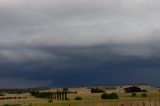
point(89, 99)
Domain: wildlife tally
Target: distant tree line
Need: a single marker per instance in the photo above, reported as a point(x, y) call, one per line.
point(6, 98)
point(39, 94)
point(20, 91)
point(134, 89)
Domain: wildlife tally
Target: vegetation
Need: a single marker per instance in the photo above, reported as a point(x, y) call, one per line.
point(97, 90)
point(20, 91)
point(39, 94)
point(7, 98)
point(85, 98)
point(134, 89)
point(1, 94)
point(50, 101)
point(134, 94)
point(65, 89)
point(109, 96)
point(78, 98)
point(11, 105)
point(144, 95)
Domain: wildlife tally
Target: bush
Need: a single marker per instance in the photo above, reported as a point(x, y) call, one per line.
point(78, 98)
point(144, 95)
point(6, 105)
point(109, 96)
point(65, 89)
point(134, 89)
point(134, 94)
point(50, 101)
point(105, 96)
point(97, 90)
point(113, 96)
point(2, 94)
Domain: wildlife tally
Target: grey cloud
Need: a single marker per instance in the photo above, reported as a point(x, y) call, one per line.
point(61, 39)
point(82, 22)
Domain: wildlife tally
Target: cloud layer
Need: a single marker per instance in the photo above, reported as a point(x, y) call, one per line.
point(55, 43)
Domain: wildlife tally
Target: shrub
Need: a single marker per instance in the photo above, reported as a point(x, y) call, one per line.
point(97, 90)
point(78, 98)
point(65, 89)
point(134, 94)
point(144, 95)
point(105, 96)
point(2, 94)
point(50, 101)
point(113, 96)
point(109, 96)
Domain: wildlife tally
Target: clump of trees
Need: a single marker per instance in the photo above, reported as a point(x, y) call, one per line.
point(78, 98)
point(6, 98)
point(134, 89)
point(109, 96)
point(39, 94)
point(97, 90)
point(20, 91)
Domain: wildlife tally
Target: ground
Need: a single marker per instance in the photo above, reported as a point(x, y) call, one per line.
point(90, 99)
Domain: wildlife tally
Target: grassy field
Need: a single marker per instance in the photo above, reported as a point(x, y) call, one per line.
point(90, 99)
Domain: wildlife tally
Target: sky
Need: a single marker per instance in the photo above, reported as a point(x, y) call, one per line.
point(66, 43)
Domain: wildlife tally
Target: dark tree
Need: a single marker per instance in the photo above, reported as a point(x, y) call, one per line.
point(133, 89)
point(97, 90)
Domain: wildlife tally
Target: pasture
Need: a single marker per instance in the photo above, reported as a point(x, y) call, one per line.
point(88, 98)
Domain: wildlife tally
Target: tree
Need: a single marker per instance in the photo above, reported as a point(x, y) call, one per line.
point(109, 96)
point(105, 96)
point(97, 90)
point(134, 89)
point(113, 96)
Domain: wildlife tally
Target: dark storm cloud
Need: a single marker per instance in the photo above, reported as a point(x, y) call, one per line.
point(65, 66)
point(78, 42)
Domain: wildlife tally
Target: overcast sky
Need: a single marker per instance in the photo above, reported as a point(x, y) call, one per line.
point(61, 43)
